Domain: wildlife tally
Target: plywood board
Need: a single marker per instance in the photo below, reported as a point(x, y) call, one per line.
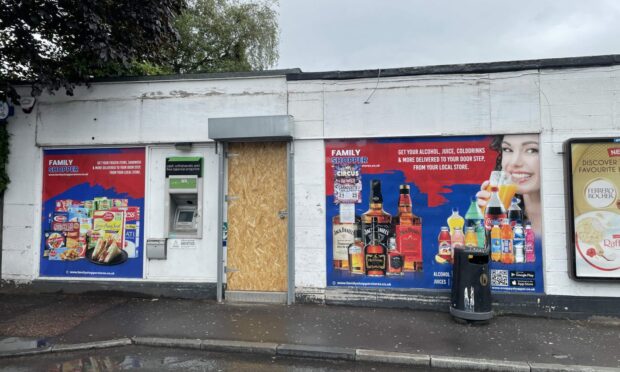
point(257, 236)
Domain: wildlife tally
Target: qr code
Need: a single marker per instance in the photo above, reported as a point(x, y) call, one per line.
point(499, 278)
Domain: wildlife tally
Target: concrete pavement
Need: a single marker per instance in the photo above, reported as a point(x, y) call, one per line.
point(433, 339)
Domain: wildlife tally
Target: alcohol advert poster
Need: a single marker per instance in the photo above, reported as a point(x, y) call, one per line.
point(92, 223)
point(398, 208)
point(595, 209)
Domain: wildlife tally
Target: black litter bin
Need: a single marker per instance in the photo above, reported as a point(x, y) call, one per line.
point(471, 287)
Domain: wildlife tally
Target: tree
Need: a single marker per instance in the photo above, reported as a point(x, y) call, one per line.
point(57, 44)
point(226, 35)
point(54, 44)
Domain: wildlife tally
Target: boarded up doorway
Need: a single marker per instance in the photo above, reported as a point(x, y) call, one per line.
point(257, 262)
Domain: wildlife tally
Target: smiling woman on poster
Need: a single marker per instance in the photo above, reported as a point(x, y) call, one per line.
point(519, 156)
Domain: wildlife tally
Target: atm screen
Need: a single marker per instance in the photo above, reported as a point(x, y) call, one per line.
point(186, 216)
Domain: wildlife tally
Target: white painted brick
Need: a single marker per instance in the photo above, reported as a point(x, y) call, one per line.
point(17, 239)
point(553, 201)
point(316, 280)
point(554, 218)
point(310, 173)
point(307, 150)
point(552, 187)
point(305, 87)
point(19, 215)
point(17, 264)
point(306, 107)
point(308, 128)
point(456, 105)
point(552, 265)
point(514, 102)
point(309, 237)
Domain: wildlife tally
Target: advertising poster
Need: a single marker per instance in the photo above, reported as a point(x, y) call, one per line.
point(397, 209)
point(595, 209)
point(92, 223)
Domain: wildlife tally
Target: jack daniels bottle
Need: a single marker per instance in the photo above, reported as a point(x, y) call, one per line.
point(376, 231)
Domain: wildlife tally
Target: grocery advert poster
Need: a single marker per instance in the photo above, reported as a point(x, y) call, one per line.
point(92, 222)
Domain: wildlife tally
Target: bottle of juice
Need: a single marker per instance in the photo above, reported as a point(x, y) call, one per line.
point(495, 242)
point(457, 239)
point(530, 238)
point(445, 244)
point(471, 240)
point(508, 255)
point(455, 220)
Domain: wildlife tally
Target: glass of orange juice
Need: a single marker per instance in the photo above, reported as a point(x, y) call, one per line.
point(507, 189)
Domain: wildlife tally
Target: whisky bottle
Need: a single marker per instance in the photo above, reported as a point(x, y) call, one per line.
point(395, 259)
point(356, 254)
point(375, 257)
point(381, 229)
point(408, 231)
point(343, 237)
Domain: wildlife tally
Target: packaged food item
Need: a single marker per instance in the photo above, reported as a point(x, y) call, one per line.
point(132, 230)
point(119, 202)
point(66, 226)
point(54, 240)
point(62, 205)
point(111, 223)
point(102, 204)
point(90, 207)
point(59, 217)
point(75, 213)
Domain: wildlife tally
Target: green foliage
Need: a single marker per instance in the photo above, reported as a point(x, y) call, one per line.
point(226, 35)
point(57, 44)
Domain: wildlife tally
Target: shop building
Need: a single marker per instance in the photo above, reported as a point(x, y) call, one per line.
point(145, 172)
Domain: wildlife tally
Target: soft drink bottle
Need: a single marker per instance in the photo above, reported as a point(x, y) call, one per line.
point(508, 255)
point(475, 219)
point(445, 244)
point(457, 238)
point(495, 242)
point(495, 210)
point(530, 238)
point(455, 220)
point(519, 243)
point(470, 237)
point(515, 214)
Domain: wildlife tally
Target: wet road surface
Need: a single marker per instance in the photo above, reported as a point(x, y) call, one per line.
point(137, 358)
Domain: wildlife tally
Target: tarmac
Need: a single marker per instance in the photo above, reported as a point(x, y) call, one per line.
point(31, 325)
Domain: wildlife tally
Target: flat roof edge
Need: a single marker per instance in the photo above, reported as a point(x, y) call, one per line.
point(202, 76)
point(467, 68)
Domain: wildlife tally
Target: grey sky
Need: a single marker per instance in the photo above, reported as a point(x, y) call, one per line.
point(324, 35)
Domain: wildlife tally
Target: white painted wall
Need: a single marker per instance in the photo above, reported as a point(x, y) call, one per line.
point(128, 113)
point(559, 104)
point(182, 264)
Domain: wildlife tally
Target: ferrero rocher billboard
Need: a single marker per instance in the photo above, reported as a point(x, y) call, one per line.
point(595, 212)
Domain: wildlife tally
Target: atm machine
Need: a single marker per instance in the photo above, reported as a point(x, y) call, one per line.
point(183, 207)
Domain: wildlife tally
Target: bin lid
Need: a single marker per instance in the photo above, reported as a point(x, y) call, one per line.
point(476, 251)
